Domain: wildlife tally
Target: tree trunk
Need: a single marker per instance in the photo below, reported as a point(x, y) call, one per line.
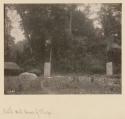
point(27, 35)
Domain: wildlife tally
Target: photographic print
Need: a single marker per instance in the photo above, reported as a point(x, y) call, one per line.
point(62, 48)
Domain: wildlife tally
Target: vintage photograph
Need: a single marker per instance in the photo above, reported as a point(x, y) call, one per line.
point(62, 48)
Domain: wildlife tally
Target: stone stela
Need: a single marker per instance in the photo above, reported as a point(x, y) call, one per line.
point(109, 68)
point(47, 69)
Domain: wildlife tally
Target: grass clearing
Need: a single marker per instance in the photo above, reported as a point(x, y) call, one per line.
point(101, 84)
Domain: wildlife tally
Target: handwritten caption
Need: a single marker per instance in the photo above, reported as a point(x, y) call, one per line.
point(38, 112)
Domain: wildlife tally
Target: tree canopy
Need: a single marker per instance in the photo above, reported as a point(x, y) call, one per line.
point(76, 45)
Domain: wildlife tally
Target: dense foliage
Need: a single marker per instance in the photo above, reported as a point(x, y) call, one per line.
point(68, 34)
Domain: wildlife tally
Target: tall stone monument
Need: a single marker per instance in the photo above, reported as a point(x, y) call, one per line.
point(47, 64)
point(109, 68)
point(47, 69)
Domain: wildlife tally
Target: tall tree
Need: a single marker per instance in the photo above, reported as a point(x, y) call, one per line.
point(8, 39)
point(64, 26)
point(111, 21)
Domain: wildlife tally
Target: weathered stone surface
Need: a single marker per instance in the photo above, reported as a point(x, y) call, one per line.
point(109, 68)
point(47, 69)
point(28, 81)
point(27, 76)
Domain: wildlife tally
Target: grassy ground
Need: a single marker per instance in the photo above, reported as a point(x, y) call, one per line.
point(87, 84)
